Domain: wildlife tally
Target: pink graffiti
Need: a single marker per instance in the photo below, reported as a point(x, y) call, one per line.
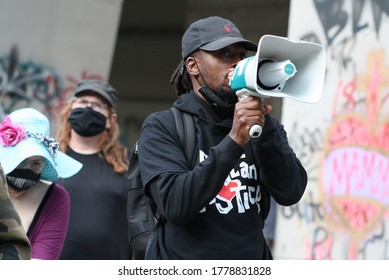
point(357, 172)
point(365, 92)
point(358, 213)
point(320, 251)
point(348, 94)
point(355, 131)
point(374, 91)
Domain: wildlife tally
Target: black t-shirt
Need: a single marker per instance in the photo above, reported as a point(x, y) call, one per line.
point(98, 222)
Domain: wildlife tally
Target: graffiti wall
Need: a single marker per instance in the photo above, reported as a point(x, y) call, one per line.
point(47, 46)
point(343, 140)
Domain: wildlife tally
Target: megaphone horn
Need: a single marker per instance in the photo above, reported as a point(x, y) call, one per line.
point(272, 72)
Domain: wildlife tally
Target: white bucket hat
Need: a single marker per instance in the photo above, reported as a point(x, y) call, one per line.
point(26, 133)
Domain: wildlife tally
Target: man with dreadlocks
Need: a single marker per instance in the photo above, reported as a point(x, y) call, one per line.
point(212, 206)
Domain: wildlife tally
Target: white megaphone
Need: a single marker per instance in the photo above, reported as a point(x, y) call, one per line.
point(282, 67)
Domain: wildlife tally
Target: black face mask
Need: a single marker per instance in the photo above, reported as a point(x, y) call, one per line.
point(87, 122)
point(222, 103)
point(22, 179)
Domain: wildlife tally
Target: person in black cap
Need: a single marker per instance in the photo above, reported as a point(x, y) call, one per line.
point(214, 207)
point(89, 132)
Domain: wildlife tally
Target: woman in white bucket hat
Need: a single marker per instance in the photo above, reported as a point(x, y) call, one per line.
point(31, 160)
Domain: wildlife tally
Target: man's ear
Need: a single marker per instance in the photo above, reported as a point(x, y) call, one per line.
point(191, 66)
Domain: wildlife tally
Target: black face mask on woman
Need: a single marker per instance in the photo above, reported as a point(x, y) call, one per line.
point(87, 122)
point(22, 179)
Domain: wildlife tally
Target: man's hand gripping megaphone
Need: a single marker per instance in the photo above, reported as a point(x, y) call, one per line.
point(269, 74)
point(256, 129)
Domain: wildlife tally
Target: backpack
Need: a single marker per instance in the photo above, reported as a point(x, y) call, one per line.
point(142, 214)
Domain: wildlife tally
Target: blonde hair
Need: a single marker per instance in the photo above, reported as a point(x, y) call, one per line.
point(111, 149)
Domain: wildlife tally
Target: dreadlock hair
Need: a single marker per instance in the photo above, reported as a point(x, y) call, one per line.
point(111, 149)
point(181, 79)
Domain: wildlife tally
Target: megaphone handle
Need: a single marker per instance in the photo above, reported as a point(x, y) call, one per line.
point(255, 130)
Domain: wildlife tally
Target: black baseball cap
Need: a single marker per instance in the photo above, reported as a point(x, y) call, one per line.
point(211, 34)
point(100, 87)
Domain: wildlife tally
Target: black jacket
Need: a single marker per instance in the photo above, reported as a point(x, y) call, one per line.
point(212, 210)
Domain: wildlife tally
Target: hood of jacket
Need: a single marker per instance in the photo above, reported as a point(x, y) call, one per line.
point(193, 104)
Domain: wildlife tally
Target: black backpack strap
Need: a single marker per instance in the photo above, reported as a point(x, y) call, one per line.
point(187, 136)
point(186, 132)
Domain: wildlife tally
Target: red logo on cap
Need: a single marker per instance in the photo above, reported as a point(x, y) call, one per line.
point(227, 28)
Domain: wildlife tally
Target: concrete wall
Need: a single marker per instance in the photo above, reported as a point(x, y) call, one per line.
point(47, 46)
point(343, 141)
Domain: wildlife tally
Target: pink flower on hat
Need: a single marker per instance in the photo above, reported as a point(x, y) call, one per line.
point(11, 134)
